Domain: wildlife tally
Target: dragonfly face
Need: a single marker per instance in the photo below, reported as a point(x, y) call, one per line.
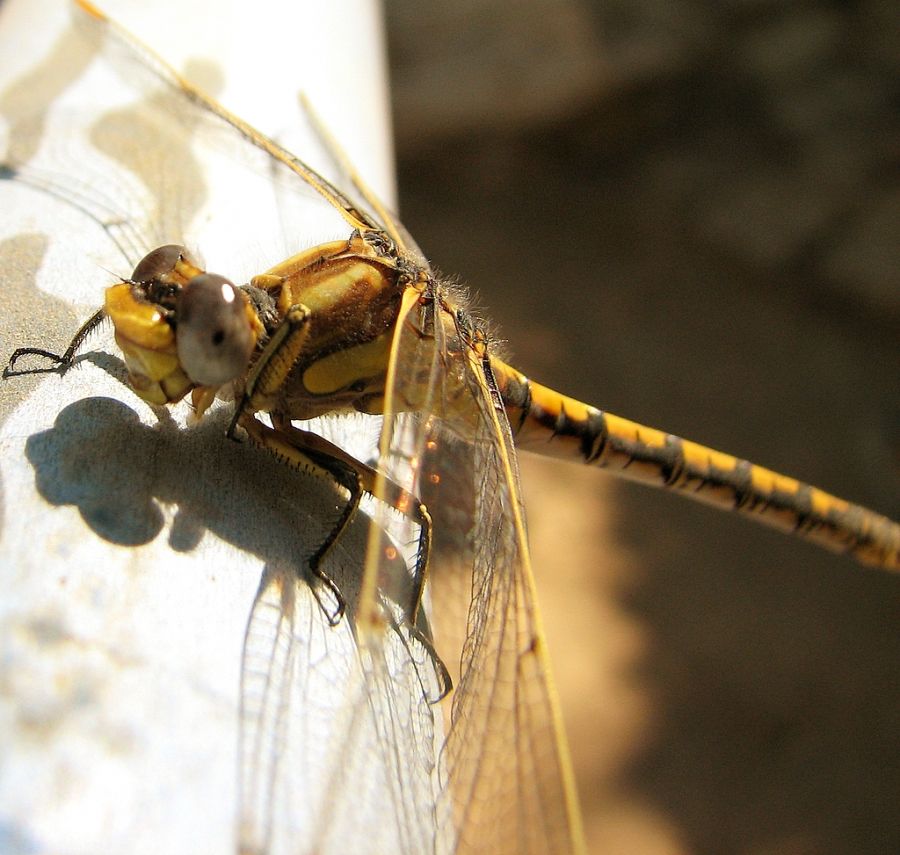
point(180, 328)
point(183, 330)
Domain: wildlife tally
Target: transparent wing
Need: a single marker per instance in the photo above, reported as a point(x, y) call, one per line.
point(505, 759)
point(356, 189)
point(506, 780)
point(338, 739)
point(151, 165)
point(301, 793)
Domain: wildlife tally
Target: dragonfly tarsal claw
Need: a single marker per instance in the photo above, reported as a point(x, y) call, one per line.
point(334, 613)
point(444, 682)
point(58, 363)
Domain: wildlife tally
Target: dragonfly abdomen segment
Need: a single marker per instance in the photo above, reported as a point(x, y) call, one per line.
point(546, 422)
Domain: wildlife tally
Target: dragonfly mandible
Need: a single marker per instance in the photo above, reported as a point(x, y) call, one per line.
point(361, 324)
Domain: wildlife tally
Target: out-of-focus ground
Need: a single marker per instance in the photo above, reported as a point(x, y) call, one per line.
point(687, 213)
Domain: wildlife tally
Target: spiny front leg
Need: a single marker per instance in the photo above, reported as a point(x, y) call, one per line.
point(58, 362)
point(270, 372)
point(327, 454)
point(301, 452)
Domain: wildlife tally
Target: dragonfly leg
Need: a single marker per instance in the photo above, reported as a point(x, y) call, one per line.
point(420, 631)
point(422, 518)
point(305, 449)
point(347, 478)
point(58, 362)
point(271, 370)
point(292, 447)
point(326, 454)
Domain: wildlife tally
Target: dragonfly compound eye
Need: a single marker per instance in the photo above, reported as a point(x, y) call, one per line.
point(213, 334)
point(161, 262)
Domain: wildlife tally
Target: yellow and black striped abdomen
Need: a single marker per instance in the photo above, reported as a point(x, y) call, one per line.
point(549, 423)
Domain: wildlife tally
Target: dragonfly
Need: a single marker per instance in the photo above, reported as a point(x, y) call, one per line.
point(361, 324)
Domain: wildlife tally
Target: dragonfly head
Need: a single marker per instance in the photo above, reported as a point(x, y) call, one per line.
point(181, 329)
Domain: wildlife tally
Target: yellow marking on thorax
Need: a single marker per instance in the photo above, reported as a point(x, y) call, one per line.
point(341, 368)
point(336, 286)
point(301, 261)
point(290, 273)
point(319, 277)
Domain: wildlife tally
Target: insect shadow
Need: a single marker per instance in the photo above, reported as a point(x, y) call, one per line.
point(128, 479)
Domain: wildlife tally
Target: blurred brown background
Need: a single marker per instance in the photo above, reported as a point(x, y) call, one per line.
point(687, 213)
